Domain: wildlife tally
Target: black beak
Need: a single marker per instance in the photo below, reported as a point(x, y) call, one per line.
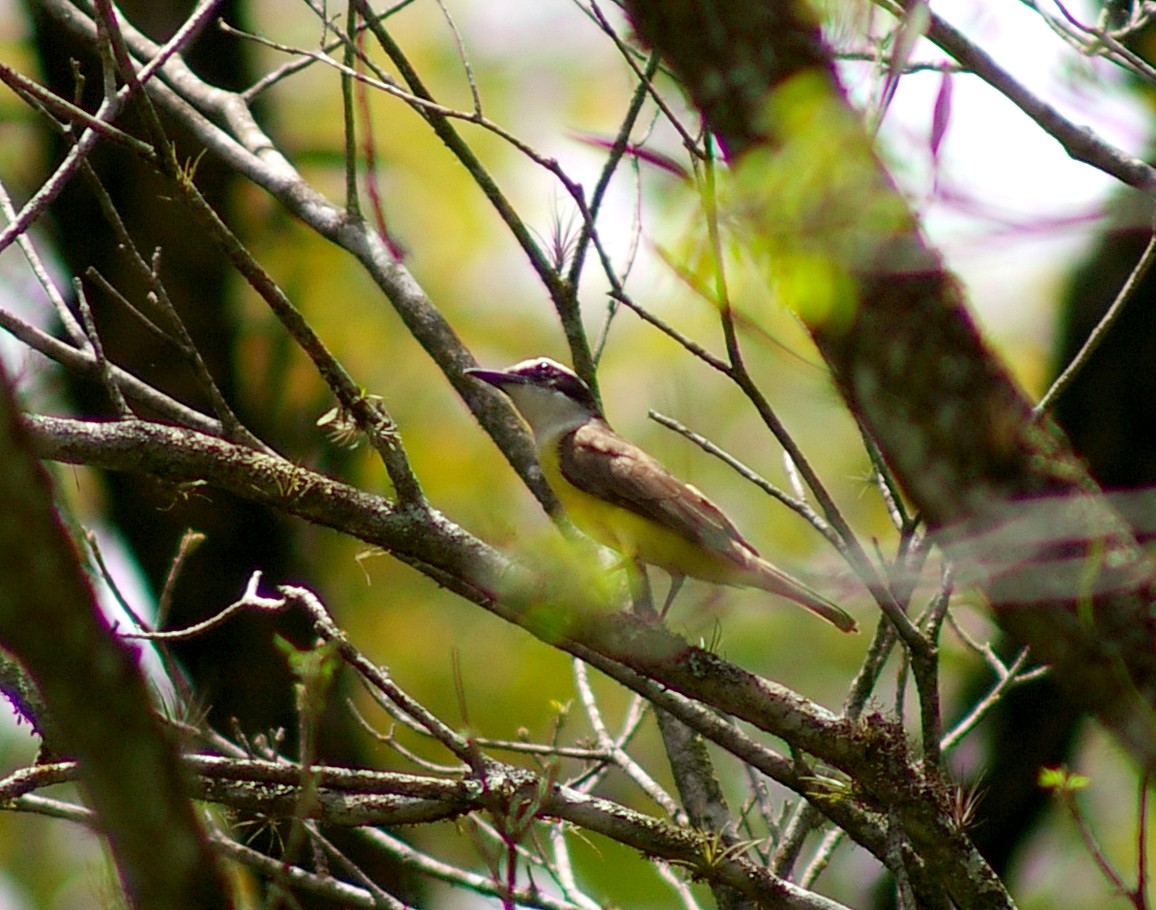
point(496, 378)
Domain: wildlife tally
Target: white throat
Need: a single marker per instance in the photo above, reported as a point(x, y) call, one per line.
point(549, 413)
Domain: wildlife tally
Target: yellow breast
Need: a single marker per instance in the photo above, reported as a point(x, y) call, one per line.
point(635, 536)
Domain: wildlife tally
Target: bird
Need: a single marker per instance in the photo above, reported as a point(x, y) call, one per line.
point(625, 499)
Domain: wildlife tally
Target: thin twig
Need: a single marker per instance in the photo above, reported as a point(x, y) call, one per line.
point(614, 156)
point(103, 370)
point(1008, 678)
point(250, 600)
point(349, 120)
point(68, 321)
point(176, 335)
point(1097, 335)
point(1078, 141)
point(84, 362)
point(619, 756)
point(798, 506)
point(452, 875)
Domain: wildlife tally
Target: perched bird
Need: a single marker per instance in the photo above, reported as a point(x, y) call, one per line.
point(626, 500)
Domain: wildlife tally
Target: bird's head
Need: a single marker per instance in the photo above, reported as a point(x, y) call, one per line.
point(549, 396)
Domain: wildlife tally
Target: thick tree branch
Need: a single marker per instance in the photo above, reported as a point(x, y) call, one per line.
point(911, 364)
point(50, 620)
point(379, 798)
point(421, 538)
point(647, 658)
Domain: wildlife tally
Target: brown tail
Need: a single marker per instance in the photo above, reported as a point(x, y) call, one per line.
point(764, 575)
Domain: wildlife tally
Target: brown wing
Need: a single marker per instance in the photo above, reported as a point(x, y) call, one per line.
point(598, 461)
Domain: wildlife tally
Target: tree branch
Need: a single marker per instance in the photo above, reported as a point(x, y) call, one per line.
point(50, 620)
point(910, 362)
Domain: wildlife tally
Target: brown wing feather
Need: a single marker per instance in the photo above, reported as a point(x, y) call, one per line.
point(602, 463)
